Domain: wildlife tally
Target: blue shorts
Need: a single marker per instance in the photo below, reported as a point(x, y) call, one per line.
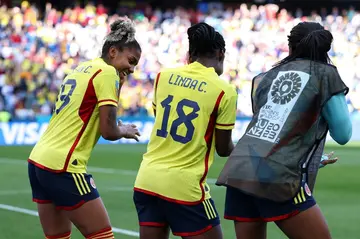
point(242, 207)
point(66, 191)
point(183, 220)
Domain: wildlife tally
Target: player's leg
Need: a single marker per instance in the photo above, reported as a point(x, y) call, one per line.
point(200, 221)
point(151, 216)
point(54, 223)
point(242, 209)
point(91, 219)
point(250, 230)
point(75, 194)
point(213, 233)
point(307, 224)
point(148, 232)
point(298, 218)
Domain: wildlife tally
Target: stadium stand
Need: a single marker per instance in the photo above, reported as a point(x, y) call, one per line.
point(37, 49)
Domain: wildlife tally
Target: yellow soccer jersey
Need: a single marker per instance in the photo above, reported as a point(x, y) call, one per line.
point(190, 102)
point(74, 128)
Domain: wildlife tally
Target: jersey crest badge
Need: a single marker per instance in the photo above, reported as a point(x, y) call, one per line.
point(307, 190)
point(92, 182)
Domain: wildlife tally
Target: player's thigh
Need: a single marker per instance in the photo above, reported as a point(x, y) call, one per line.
point(152, 220)
point(148, 232)
point(307, 224)
point(242, 209)
point(90, 218)
point(213, 233)
point(194, 221)
point(250, 230)
point(76, 195)
point(53, 221)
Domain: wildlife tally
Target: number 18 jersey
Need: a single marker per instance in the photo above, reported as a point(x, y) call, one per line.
point(73, 130)
point(190, 102)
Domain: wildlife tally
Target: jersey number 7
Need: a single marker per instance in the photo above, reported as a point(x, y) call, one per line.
point(182, 119)
point(65, 98)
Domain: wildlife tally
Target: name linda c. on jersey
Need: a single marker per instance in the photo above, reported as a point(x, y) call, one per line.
point(187, 82)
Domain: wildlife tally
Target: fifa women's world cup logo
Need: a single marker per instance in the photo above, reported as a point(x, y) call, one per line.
point(284, 92)
point(285, 88)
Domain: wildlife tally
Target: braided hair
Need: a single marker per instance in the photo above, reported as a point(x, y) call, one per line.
point(204, 41)
point(309, 40)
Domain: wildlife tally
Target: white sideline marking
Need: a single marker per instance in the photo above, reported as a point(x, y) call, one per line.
point(91, 169)
point(27, 191)
point(18, 209)
point(14, 192)
point(13, 161)
point(35, 213)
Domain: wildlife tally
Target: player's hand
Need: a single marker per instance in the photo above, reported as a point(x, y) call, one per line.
point(129, 131)
point(328, 159)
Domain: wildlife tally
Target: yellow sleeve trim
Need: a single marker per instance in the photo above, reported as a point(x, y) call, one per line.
point(108, 102)
point(224, 126)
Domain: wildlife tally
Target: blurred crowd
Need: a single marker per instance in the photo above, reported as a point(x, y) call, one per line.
point(38, 49)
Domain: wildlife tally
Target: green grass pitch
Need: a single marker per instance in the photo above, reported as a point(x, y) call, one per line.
point(114, 168)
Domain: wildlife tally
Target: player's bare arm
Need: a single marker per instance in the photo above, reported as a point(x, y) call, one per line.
point(223, 142)
point(110, 129)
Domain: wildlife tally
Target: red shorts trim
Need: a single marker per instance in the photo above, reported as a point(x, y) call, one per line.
point(41, 201)
point(281, 217)
point(189, 234)
point(72, 207)
point(152, 224)
point(243, 219)
point(260, 219)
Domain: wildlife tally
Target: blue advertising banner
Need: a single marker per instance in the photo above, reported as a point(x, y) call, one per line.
point(28, 133)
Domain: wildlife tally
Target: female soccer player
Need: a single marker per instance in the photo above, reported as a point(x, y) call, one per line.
point(268, 173)
point(85, 109)
point(195, 114)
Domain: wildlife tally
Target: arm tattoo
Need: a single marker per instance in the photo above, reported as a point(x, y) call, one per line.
point(111, 119)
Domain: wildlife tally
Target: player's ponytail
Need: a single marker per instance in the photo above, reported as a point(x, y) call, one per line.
point(309, 40)
point(204, 40)
point(122, 35)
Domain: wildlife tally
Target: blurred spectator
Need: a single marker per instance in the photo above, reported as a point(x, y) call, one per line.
point(37, 53)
